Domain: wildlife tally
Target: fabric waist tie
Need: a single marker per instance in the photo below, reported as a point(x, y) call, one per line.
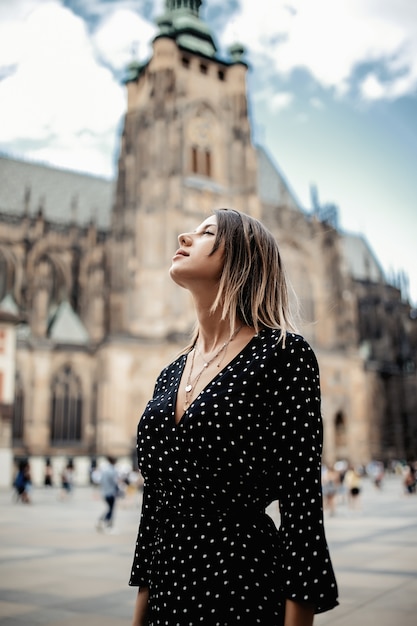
point(241, 514)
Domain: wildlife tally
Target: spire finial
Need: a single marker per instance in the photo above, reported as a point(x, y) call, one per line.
point(26, 199)
point(191, 5)
point(237, 52)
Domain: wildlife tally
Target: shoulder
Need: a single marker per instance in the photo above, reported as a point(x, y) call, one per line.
point(170, 373)
point(292, 358)
point(292, 344)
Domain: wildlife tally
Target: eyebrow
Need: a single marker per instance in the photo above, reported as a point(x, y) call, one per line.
point(205, 226)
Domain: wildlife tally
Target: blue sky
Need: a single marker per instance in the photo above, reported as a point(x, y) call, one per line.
point(333, 96)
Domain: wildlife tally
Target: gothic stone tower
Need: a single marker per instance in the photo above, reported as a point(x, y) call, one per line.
point(185, 148)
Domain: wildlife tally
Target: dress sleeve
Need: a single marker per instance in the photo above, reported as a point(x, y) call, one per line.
point(148, 525)
point(307, 571)
point(147, 536)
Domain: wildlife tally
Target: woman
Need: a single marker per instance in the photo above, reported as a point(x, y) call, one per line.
point(234, 424)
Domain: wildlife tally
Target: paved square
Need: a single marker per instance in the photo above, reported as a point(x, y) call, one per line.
point(57, 570)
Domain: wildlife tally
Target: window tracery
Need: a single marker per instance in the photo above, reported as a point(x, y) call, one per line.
point(66, 408)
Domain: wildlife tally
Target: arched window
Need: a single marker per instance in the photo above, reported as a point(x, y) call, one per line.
point(194, 160)
point(66, 408)
point(207, 163)
point(18, 411)
point(3, 276)
point(46, 278)
point(201, 134)
point(7, 272)
point(340, 430)
point(201, 161)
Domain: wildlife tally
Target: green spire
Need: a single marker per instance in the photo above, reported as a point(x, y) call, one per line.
point(191, 5)
point(182, 22)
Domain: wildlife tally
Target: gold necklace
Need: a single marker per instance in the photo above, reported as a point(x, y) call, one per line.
point(192, 383)
point(207, 363)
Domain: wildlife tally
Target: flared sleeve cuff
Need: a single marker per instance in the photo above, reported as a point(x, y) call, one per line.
point(318, 588)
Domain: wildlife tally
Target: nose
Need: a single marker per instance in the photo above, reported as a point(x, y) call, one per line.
point(184, 239)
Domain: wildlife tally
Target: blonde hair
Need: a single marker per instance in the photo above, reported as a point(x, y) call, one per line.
point(253, 287)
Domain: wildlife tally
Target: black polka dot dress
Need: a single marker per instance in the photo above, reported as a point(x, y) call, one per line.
point(206, 548)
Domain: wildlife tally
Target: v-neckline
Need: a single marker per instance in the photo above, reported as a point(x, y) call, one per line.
point(217, 375)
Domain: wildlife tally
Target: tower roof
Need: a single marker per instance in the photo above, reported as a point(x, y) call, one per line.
point(182, 22)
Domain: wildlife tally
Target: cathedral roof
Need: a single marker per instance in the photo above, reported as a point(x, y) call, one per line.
point(273, 188)
point(63, 195)
point(9, 311)
point(58, 188)
point(66, 326)
point(8, 305)
point(361, 261)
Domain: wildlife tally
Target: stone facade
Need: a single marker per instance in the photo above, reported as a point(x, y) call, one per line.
point(101, 316)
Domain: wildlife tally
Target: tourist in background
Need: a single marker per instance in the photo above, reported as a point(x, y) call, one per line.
point(410, 478)
point(353, 482)
point(67, 480)
point(331, 485)
point(23, 482)
point(110, 490)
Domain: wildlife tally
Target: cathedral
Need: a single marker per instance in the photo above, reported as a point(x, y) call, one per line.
point(89, 315)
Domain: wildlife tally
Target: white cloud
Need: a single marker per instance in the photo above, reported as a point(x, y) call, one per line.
point(280, 101)
point(12, 29)
point(11, 10)
point(371, 88)
point(77, 153)
point(121, 31)
point(58, 90)
point(100, 9)
point(275, 101)
point(332, 38)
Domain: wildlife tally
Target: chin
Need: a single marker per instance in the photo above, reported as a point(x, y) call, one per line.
point(174, 276)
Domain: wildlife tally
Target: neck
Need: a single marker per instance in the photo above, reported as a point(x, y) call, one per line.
point(221, 342)
point(213, 332)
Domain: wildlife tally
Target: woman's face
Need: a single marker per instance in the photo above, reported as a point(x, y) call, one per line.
point(193, 263)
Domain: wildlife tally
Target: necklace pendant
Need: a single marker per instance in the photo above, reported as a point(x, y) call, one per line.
point(188, 388)
point(206, 364)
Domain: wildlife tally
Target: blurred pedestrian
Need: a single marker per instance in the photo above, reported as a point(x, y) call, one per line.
point(48, 482)
point(331, 485)
point(67, 480)
point(23, 482)
point(377, 471)
point(353, 481)
point(109, 484)
point(410, 479)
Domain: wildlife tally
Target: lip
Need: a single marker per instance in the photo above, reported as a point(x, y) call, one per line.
point(180, 252)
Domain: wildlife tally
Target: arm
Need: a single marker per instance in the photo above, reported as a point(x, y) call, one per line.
point(307, 570)
point(141, 607)
point(297, 614)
